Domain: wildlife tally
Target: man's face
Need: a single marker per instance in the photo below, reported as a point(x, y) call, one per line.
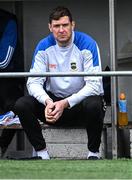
point(62, 30)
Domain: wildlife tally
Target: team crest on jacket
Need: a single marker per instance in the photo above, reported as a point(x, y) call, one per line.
point(73, 66)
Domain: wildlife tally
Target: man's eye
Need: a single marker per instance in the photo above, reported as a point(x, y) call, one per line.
point(56, 26)
point(65, 25)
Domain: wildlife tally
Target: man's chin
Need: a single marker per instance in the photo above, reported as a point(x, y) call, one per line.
point(63, 41)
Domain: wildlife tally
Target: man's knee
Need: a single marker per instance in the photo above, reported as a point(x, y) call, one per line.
point(19, 105)
point(93, 104)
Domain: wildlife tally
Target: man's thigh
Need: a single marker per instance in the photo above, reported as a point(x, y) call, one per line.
point(83, 113)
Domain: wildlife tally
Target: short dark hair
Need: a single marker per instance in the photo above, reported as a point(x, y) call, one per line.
point(59, 12)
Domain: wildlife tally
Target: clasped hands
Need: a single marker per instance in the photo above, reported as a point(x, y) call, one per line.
point(54, 110)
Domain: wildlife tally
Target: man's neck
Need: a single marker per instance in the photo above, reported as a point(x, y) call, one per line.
point(65, 44)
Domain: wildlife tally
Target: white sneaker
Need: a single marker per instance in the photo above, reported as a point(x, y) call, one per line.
point(93, 155)
point(43, 154)
point(34, 153)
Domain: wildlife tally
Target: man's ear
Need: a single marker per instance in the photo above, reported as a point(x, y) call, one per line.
point(73, 25)
point(50, 27)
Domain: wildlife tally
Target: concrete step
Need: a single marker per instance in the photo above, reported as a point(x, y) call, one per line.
point(69, 143)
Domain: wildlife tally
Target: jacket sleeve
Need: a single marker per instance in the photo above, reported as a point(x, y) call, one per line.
point(8, 44)
point(35, 85)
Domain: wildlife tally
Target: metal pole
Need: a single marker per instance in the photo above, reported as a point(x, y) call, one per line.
point(113, 60)
point(58, 74)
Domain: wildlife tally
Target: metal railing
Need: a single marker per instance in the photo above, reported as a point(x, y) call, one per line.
point(57, 74)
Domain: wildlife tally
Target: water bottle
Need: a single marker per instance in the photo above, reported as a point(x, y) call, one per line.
point(122, 113)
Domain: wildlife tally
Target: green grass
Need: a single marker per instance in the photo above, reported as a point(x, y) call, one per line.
point(66, 169)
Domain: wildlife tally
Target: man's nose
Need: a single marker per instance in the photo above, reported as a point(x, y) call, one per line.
point(61, 29)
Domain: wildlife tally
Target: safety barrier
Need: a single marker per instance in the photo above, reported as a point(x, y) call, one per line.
point(57, 74)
